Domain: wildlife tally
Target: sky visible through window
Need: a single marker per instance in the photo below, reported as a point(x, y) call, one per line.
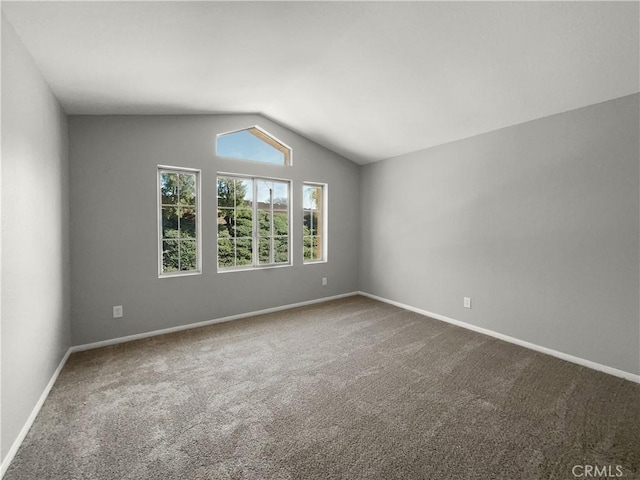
point(309, 200)
point(247, 146)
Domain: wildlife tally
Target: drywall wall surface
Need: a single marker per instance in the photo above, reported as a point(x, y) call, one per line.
point(537, 223)
point(114, 224)
point(35, 236)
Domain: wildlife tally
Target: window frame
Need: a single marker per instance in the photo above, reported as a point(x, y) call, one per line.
point(325, 223)
point(178, 170)
point(255, 259)
point(267, 138)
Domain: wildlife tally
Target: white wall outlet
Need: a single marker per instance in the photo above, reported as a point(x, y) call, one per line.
point(324, 281)
point(467, 302)
point(117, 311)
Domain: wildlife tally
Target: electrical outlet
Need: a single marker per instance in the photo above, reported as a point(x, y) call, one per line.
point(324, 281)
point(467, 302)
point(117, 311)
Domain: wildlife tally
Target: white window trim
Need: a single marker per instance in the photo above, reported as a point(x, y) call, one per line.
point(254, 238)
point(268, 134)
point(325, 222)
point(169, 168)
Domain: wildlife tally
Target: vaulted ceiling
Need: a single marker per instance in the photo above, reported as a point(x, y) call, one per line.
point(369, 80)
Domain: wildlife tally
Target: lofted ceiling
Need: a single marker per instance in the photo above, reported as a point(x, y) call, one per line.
point(369, 80)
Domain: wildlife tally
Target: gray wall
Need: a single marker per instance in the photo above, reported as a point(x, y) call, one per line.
point(35, 256)
point(114, 225)
point(538, 223)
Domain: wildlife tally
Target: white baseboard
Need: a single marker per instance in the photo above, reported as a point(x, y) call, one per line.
point(79, 348)
point(138, 336)
point(34, 413)
point(532, 346)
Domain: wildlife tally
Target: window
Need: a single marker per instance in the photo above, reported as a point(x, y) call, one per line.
point(314, 201)
point(179, 221)
point(255, 144)
point(253, 222)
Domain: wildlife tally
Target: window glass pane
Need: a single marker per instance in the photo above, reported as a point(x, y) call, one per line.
point(281, 247)
point(187, 255)
point(264, 223)
point(314, 223)
point(169, 188)
point(308, 248)
point(310, 198)
point(225, 253)
point(306, 218)
point(315, 248)
point(187, 189)
point(226, 222)
point(169, 222)
point(280, 195)
point(244, 223)
point(187, 222)
point(244, 193)
point(280, 223)
point(244, 251)
point(170, 256)
point(265, 189)
point(226, 192)
point(264, 250)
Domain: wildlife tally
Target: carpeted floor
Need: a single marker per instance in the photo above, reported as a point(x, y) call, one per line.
point(348, 389)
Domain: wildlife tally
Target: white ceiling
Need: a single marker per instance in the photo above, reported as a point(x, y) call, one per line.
point(369, 80)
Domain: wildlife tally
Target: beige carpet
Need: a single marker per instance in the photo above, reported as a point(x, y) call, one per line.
point(349, 389)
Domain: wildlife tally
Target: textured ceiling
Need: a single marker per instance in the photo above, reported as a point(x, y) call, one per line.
point(369, 80)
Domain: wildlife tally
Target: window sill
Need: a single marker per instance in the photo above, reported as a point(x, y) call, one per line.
point(313, 262)
point(177, 275)
point(251, 268)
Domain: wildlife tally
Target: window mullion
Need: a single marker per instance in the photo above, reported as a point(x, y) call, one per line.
point(271, 241)
point(178, 215)
point(255, 242)
point(235, 251)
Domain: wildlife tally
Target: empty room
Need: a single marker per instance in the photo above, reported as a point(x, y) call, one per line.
point(320, 240)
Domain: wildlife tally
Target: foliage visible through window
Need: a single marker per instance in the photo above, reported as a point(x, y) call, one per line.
point(253, 222)
point(313, 216)
point(253, 144)
point(178, 221)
